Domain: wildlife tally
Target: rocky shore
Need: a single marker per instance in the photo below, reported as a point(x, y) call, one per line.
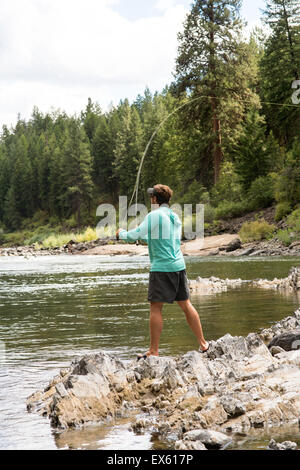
point(193, 401)
point(217, 245)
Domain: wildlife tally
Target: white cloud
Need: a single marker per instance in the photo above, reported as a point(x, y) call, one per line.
point(59, 52)
point(163, 5)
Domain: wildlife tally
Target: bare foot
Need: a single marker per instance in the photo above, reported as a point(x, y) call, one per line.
point(147, 354)
point(204, 347)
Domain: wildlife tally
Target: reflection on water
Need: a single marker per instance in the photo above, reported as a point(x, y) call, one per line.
point(53, 309)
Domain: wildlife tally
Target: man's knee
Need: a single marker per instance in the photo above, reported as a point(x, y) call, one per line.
point(184, 304)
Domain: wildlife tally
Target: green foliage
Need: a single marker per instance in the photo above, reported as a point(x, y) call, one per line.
point(279, 67)
point(255, 154)
point(284, 236)
point(282, 209)
point(229, 209)
point(292, 233)
point(209, 213)
point(228, 186)
point(293, 220)
point(214, 61)
point(195, 194)
point(257, 230)
point(288, 182)
point(261, 193)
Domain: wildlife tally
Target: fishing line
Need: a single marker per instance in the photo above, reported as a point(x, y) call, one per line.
point(136, 186)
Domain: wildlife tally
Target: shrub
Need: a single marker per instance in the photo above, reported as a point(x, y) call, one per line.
point(293, 220)
point(257, 230)
point(288, 182)
point(229, 209)
point(284, 236)
point(261, 193)
point(54, 240)
point(209, 213)
point(282, 209)
point(87, 236)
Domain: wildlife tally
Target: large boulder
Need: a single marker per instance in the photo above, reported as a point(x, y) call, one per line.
point(211, 439)
point(234, 245)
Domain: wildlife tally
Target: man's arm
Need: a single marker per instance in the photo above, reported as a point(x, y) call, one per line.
point(139, 233)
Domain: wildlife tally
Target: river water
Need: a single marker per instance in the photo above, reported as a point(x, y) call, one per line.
point(56, 308)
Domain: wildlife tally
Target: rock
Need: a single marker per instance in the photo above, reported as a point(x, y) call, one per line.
point(233, 406)
point(236, 386)
point(61, 390)
point(211, 439)
point(189, 445)
point(276, 350)
point(247, 252)
point(234, 245)
point(286, 341)
point(286, 445)
point(213, 253)
point(257, 253)
point(215, 285)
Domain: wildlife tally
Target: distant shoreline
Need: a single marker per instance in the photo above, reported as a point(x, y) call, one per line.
point(217, 245)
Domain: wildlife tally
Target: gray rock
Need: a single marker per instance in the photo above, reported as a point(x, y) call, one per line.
point(211, 439)
point(234, 245)
point(233, 406)
point(61, 390)
point(189, 445)
point(287, 341)
point(257, 253)
point(286, 445)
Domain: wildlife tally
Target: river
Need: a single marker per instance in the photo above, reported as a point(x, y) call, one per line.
point(56, 308)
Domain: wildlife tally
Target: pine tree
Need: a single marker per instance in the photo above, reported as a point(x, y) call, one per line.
point(90, 118)
point(77, 170)
point(280, 66)
point(214, 61)
point(255, 153)
point(128, 148)
point(103, 156)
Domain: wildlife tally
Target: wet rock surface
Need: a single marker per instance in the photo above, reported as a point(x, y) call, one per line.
point(195, 401)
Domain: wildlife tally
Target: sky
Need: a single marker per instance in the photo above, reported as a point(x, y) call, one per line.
point(55, 54)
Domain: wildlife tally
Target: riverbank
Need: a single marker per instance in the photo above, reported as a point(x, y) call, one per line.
point(193, 401)
point(226, 244)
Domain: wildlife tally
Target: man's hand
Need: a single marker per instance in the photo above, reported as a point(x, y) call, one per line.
point(118, 232)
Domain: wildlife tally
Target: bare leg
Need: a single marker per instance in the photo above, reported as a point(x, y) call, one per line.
point(156, 325)
point(194, 322)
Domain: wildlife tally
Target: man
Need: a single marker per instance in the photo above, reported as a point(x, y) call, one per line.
point(161, 229)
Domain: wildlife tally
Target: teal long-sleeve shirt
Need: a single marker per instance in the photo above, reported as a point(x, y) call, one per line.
point(161, 230)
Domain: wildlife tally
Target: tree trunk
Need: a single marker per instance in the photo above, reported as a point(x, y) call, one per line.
point(217, 149)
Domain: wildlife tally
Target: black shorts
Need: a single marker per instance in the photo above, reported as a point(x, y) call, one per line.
point(167, 287)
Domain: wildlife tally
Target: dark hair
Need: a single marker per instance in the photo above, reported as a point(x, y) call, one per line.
point(163, 193)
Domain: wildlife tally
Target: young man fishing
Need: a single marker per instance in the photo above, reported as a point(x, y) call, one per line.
point(161, 230)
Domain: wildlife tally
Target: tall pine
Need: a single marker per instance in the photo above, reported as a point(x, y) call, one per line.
point(280, 67)
point(214, 61)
